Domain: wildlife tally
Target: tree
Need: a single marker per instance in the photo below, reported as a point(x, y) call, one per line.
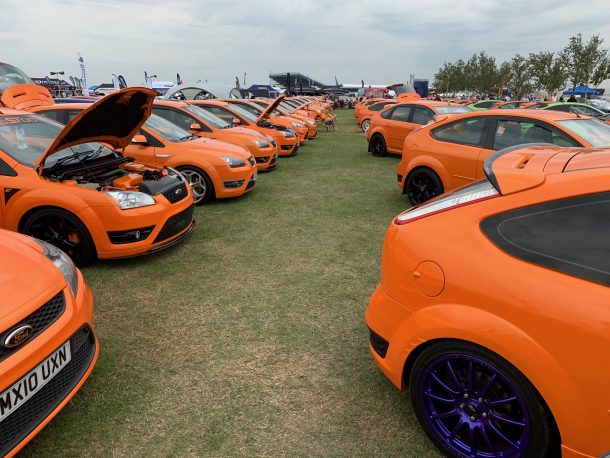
point(583, 59)
point(488, 76)
point(518, 76)
point(549, 72)
point(602, 72)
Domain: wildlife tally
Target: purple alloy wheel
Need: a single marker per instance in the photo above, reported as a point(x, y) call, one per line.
point(473, 408)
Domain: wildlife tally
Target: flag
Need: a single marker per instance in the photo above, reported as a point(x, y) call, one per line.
point(336, 81)
point(122, 82)
point(363, 83)
point(147, 80)
point(83, 74)
point(178, 80)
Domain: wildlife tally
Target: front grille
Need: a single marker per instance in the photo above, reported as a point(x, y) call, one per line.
point(40, 320)
point(379, 344)
point(286, 147)
point(251, 183)
point(176, 193)
point(176, 224)
point(233, 184)
point(262, 160)
point(26, 418)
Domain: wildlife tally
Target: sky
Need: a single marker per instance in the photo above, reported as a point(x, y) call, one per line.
point(378, 41)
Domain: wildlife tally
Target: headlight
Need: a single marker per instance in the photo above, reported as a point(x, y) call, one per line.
point(63, 262)
point(131, 199)
point(297, 124)
point(288, 133)
point(261, 144)
point(233, 161)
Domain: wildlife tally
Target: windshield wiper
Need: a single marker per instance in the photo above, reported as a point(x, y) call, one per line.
point(188, 137)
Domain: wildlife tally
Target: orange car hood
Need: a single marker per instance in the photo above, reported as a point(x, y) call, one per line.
point(28, 276)
point(112, 120)
point(272, 106)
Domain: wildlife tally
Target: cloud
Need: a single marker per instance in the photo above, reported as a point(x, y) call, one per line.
point(379, 41)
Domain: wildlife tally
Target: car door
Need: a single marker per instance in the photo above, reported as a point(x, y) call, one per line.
point(150, 153)
point(458, 146)
point(183, 120)
point(397, 127)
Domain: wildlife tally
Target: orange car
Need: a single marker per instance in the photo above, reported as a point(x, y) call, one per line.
point(450, 153)
point(493, 308)
point(282, 111)
point(266, 114)
point(60, 185)
point(366, 113)
point(388, 128)
point(212, 168)
point(47, 344)
point(204, 124)
point(286, 139)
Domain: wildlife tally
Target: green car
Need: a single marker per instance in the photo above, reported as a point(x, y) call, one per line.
point(483, 104)
point(574, 107)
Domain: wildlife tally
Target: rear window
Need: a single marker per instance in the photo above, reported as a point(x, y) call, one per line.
point(594, 132)
point(568, 235)
point(452, 109)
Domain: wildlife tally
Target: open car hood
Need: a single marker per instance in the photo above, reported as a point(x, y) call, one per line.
point(112, 120)
point(270, 109)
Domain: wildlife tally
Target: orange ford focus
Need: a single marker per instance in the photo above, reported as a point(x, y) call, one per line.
point(388, 128)
point(47, 344)
point(58, 184)
point(450, 153)
point(493, 308)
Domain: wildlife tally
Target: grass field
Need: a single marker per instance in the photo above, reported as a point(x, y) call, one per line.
point(248, 339)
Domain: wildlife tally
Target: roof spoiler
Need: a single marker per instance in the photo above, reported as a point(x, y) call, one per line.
point(514, 176)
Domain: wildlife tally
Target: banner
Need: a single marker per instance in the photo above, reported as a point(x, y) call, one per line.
point(122, 82)
point(115, 82)
point(178, 79)
point(83, 74)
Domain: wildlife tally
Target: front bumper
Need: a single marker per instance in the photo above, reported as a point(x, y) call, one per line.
point(76, 325)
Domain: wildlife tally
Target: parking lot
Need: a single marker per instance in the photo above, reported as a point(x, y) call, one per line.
point(248, 339)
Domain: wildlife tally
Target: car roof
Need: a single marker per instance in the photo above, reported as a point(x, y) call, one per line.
point(13, 112)
point(523, 113)
point(61, 106)
point(169, 103)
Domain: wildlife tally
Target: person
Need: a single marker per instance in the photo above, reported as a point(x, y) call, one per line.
point(572, 98)
point(561, 99)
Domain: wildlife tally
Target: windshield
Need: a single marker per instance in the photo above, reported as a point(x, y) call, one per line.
point(208, 117)
point(601, 103)
point(246, 114)
point(249, 108)
point(10, 75)
point(26, 137)
point(168, 130)
point(452, 109)
point(594, 132)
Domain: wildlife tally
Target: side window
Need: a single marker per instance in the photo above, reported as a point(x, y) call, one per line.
point(421, 115)
point(181, 120)
point(387, 114)
point(486, 104)
point(6, 170)
point(566, 108)
point(512, 132)
point(379, 106)
point(465, 131)
point(55, 115)
point(402, 113)
point(568, 235)
point(220, 112)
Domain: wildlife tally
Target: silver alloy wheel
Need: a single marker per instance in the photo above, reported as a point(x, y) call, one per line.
point(197, 183)
point(365, 125)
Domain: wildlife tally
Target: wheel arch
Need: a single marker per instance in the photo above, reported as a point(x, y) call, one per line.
point(374, 135)
point(461, 323)
point(431, 164)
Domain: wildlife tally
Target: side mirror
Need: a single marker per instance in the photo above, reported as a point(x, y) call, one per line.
point(236, 121)
point(195, 126)
point(139, 140)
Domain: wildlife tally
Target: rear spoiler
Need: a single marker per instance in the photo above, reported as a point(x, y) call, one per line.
point(515, 175)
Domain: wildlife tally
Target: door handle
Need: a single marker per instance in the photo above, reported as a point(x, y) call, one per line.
point(162, 155)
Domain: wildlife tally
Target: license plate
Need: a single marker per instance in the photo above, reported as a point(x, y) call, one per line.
point(18, 394)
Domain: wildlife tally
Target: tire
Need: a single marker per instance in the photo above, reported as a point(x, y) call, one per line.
point(454, 404)
point(201, 185)
point(422, 184)
point(365, 125)
point(378, 147)
point(63, 230)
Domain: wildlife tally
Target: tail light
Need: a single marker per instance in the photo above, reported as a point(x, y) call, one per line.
point(476, 192)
